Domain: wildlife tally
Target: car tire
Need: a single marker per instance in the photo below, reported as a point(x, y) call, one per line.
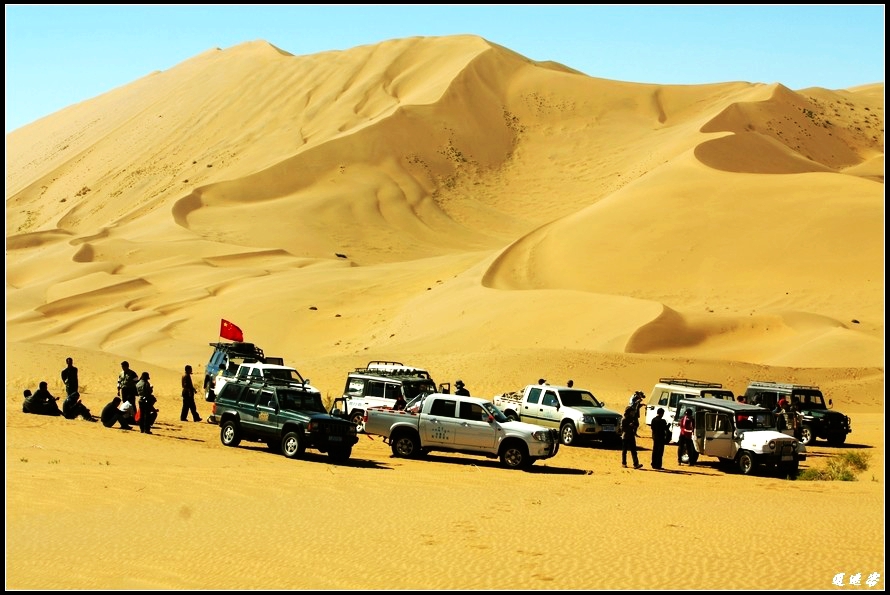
point(746, 463)
point(807, 436)
point(406, 446)
point(568, 434)
point(837, 439)
point(230, 433)
point(515, 456)
point(512, 416)
point(292, 445)
point(358, 418)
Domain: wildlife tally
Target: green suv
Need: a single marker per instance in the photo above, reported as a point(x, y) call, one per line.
point(288, 416)
point(817, 419)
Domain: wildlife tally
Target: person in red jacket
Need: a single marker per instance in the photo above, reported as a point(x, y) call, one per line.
point(684, 444)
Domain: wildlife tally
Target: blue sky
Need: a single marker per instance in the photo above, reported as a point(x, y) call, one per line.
point(57, 56)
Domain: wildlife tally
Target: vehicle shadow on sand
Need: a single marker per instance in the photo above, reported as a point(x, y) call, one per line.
point(467, 461)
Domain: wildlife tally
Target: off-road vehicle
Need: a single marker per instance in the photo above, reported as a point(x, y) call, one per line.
point(230, 356)
point(668, 392)
point(739, 434)
point(288, 416)
point(817, 420)
point(378, 384)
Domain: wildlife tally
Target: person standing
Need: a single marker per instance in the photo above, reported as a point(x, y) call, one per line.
point(460, 389)
point(659, 438)
point(629, 437)
point(188, 397)
point(126, 384)
point(69, 377)
point(684, 444)
point(147, 412)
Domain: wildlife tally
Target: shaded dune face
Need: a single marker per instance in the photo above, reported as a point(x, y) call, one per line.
point(431, 189)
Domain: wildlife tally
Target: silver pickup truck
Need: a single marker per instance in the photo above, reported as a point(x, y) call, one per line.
point(468, 425)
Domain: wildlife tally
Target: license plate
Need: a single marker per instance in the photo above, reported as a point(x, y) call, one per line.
point(335, 438)
point(608, 428)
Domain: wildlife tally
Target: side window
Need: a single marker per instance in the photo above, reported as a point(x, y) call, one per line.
point(663, 400)
point(354, 387)
point(675, 397)
point(375, 388)
point(267, 399)
point(250, 396)
point(392, 391)
point(534, 395)
point(443, 407)
point(256, 373)
point(473, 411)
point(549, 399)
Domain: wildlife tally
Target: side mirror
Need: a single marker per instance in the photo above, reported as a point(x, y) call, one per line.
point(306, 381)
point(336, 412)
point(830, 404)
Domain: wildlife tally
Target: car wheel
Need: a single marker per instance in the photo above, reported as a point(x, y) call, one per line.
point(746, 463)
point(406, 446)
point(230, 433)
point(512, 416)
point(807, 436)
point(292, 445)
point(358, 418)
point(515, 456)
point(567, 433)
point(837, 439)
point(340, 454)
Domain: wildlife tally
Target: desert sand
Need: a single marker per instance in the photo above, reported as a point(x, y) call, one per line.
point(447, 203)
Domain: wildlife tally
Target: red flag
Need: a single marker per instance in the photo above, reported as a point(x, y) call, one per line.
point(227, 330)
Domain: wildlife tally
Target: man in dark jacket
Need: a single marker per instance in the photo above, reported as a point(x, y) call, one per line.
point(659, 438)
point(629, 437)
point(41, 402)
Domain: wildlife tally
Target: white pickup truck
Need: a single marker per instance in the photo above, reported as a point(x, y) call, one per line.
point(575, 412)
point(468, 425)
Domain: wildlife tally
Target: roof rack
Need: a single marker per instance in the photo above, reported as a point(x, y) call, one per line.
point(690, 383)
point(382, 368)
point(783, 385)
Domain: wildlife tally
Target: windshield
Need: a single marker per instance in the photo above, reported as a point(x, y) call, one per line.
point(578, 398)
point(808, 399)
point(283, 374)
point(413, 389)
point(726, 395)
point(495, 412)
point(759, 421)
point(299, 401)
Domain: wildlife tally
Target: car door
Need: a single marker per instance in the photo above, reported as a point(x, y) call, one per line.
point(267, 415)
point(718, 435)
point(438, 427)
point(248, 411)
point(474, 430)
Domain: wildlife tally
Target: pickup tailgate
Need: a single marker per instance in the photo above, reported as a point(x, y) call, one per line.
point(380, 421)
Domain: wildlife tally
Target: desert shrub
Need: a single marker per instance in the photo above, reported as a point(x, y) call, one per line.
point(842, 467)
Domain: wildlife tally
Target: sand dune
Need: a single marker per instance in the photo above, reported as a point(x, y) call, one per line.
point(452, 204)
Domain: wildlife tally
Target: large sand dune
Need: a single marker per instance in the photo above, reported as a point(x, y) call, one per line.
point(448, 203)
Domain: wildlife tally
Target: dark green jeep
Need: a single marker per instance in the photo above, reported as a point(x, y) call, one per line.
point(817, 419)
point(288, 416)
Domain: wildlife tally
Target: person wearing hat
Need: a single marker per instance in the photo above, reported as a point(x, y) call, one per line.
point(460, 389)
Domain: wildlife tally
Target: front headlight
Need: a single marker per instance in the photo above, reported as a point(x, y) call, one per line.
point(771, 445)
point(541, 435)
point(588, 419)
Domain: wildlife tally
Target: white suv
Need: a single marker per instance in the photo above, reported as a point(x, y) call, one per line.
point(668, 392)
